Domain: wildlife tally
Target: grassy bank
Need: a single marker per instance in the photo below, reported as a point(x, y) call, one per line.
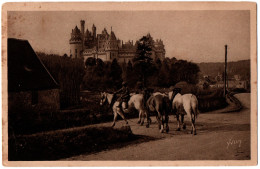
point(66, 143)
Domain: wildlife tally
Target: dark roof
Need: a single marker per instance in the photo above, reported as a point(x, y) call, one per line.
point(76, 30)
point(25, 70)
point(112, 36)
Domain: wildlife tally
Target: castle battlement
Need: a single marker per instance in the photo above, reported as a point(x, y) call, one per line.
point(106, 46)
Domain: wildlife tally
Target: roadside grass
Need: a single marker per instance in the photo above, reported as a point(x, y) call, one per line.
point(60, 144)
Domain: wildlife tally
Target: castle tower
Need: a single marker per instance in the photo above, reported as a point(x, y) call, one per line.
point(112, 46)
point(94, 31)
point(82, 30)
point(75, 43)
point(158, 49)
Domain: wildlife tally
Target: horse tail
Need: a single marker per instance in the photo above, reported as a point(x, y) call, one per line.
point(195, 106)
point(150, 104)
point(166, 105)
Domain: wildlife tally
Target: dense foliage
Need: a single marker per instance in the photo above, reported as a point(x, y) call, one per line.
point(101, 75)
point(68, 73)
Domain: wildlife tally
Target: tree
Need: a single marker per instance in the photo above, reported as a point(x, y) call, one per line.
point(143, 63)
point(158, 63)
point(130, 77)
point(181, 70)
point(68, 73)
point(116, 73)
point(91, 61)
point(163, 79)
point(99, 68)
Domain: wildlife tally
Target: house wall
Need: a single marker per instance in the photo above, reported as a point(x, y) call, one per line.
point(46, 100)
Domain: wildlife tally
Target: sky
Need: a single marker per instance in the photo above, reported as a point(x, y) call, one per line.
point(197, 36)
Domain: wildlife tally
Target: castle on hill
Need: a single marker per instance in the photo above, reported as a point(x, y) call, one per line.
point(106, 46)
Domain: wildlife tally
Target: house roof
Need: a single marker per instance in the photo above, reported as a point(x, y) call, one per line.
point(26, 72)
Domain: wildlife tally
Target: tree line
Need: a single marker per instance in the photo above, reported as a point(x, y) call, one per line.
point(101, 75)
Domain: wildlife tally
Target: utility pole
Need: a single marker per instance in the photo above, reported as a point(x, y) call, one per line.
point(225, 72)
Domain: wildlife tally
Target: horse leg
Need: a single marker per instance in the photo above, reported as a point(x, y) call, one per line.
point(157, 118)
point(166, 123)
point(178, 120)
point(114, 121)
point(161, 122)
point(193, 125)
point(192, 121)
point(182, 121)
point(139, 120)
point(148, 119)
point(158, 121)
point(122, 115)
point(142, 117)
point(195, 112)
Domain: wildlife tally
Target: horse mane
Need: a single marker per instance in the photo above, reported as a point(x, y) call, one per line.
point(175, 91)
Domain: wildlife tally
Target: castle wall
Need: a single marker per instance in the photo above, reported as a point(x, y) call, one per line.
point(103, 57)
point(124, 59)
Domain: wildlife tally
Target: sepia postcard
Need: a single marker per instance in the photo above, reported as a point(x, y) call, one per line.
point(129, 84)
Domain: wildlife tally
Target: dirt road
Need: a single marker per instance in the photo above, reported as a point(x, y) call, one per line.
point(220, 136)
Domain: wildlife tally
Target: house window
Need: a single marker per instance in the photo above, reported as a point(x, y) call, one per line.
point(34, 97)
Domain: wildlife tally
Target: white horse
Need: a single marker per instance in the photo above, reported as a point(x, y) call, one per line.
point(136, 101)
point(182, 105)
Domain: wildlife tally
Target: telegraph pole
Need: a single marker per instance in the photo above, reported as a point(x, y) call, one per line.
point(225, 72)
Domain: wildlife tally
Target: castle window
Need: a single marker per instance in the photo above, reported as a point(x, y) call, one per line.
point(76, 53)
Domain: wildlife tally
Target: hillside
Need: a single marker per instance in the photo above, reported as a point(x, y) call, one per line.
point(241, 68)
